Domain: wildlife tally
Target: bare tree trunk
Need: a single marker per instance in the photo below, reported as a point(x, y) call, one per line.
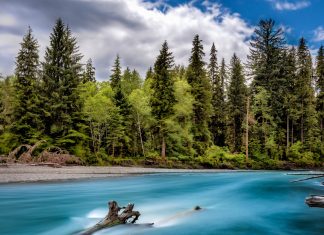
point(302, 125)
point(292, 132)
point(322, 137)
point(247, 130)
point(113, 218)
point(287, 133)
point(140, 133)
point(163, 147)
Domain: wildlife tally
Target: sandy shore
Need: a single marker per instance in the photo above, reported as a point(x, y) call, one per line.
point(28, 173)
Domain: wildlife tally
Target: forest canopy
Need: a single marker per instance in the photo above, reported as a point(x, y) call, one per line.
point(204, 115)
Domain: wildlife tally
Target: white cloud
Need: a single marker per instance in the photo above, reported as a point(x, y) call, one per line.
point(290, 6)
point(319, 34)
point(141, 28)
point(7, 20)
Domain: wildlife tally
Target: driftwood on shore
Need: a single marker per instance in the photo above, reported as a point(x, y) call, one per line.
point(113, 218)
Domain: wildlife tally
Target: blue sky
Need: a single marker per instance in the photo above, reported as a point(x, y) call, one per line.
point(300, 22)
point(135, 29)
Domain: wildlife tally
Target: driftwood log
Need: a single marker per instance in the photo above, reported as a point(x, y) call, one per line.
point(315, 201)
point(113, 218)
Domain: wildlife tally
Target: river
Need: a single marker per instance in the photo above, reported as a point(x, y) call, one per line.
point(233, 203)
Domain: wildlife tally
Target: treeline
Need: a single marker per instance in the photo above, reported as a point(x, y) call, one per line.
point(205, 112)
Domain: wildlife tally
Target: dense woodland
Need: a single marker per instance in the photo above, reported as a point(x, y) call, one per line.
point(266, 113)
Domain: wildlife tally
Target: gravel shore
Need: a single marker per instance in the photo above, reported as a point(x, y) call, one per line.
point(32, 173)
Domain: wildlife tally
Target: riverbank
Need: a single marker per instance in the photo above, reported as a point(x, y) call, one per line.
point(21, 173)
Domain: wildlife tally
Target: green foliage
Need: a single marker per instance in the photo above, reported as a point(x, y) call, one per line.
point(89, 75)
point(61, 76)
point(162, 98)
point(26, 114)
point(237, 94)
point(179, 111)
point(201, 91)
point(217, 124)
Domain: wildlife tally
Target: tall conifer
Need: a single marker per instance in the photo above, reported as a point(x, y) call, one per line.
point(163, 98)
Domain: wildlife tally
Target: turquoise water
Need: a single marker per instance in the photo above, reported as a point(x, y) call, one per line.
point(234, 203)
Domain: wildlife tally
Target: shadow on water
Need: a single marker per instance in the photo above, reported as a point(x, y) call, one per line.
point(234, 203)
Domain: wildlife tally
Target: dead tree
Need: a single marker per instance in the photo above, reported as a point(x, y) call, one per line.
point(113, 218)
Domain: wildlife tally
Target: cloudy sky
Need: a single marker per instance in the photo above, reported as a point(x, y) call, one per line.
point(135, 29)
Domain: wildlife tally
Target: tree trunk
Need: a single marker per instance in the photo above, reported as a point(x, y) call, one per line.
point(163, 147)
point(113, 218)
point(287, 133)
point(140, 133)
point(302, 125)
point(247, 131)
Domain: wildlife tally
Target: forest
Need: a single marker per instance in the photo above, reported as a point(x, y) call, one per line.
point(267, 113)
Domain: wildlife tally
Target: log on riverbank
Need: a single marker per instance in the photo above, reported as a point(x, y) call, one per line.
point(113, 218)
point(315, 201)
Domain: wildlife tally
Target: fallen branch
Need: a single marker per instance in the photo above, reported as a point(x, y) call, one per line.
point(308, 178)
point(113, 218)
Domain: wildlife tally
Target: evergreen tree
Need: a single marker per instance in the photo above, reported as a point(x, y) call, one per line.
point(290, 98)
point(217, 122)
point(201, 91)
point(130, 81)
point(264, 59)
point(237, 94)
point(306, 96)
point(61, 77)
point(27, 124)
point(162, 99)
point(122, 124)
point(115, 78)
point(89, 73)
point(223, 78)
point(320, 87)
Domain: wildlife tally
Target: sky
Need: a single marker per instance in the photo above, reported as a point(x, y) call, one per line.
point(136, 29)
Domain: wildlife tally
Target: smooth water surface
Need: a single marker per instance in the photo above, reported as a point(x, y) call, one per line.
point(234, 203)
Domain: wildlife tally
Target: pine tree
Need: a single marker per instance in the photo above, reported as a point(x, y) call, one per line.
point(122, 130)
point(264, 59)
point(89, 73)
point(163, 99)
point(201, 91)
point(130, 81)
point(27, 124)
point(217, 122)
point(320, 87)
point(223, 78)
point(116, 76)
point(236, 102)
point(61, 77)
point(306, 96)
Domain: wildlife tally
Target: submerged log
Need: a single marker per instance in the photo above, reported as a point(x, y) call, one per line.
point(315, 201)
point(113, 218)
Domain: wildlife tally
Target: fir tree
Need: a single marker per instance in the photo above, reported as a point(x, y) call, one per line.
point(306, 97)
point(264, 59)
point(61, 77)
point(236, 101)
point(163, 99)
point(115, 78)
point(217, 122)
point(27, 124)
point(320, 87)
point(201, 91)
point(123, 123)
point(89, 73)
